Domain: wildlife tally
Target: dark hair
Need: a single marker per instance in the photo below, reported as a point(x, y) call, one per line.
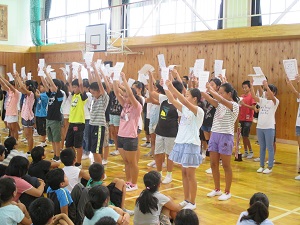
point(186, 216)
point(31, 86)
point(184, 84)
point(9, 143)
point(258, 211)
point(18, 166)
point(7, 189)
point(3, 150)
point(186, 77)
point(12, 83)
point(106, 220)
point(146, 201)
point(195, 92)
point(85, 83)
point(54, 178)
point(141, 86)
point(41, 210)
point(159, 87)
point(136, 96)
point(97, 196)
point(75, 82)
point(246, 82)
point(229, 89)
point(57, 83)
point(67, 156)
point(94, 86)
point(65, 88)
point(273, 88)
point(217, 81)
point(178, 85)
point(96, 171)
point(37, 153)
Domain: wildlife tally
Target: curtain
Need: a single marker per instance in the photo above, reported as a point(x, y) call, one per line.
point(255, 9)
point(220, 21)
point(47, 8)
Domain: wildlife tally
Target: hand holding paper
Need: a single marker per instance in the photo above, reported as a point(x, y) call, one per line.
point(291, 68)
point(165, 76)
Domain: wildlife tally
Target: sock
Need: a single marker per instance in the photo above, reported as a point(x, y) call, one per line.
point(169, 174)
point(246, 150)
point(250, 151)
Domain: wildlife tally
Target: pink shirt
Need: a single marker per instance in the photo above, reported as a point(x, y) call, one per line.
point(27, 112)
point(21, 185)
point(129, 119)
point(12, 103)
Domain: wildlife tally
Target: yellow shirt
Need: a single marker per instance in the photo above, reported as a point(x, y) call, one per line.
point(77, 108)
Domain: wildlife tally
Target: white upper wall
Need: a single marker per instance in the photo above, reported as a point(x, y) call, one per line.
point(18, 22)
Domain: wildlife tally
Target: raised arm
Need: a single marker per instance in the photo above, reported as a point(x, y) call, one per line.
point(171, 98)
point(270, 93)
point(152, 93)
point(252, 91)
point(131, 97)
point(177, 76)
point(3, 84)
point(80, 80)
point(8, 85)
point(22, 88)
point(291, 86)
point(48, 78)
point(117, 92)
point(219, 98)
point(45, 83)
point(98, 79)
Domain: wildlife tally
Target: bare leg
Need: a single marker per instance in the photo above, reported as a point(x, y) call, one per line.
point(185, 183)
point(153, 137)
point(227, 170)
point(214, 164)
point(159, 159)
point(28, 131)
point(79, 155)
point(170, 164)
point(97, 158)
point(190, 172)
point(126, 163)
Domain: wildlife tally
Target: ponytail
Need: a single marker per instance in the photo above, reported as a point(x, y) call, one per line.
point(89, 210)
point(257, 212)
point(229, 89)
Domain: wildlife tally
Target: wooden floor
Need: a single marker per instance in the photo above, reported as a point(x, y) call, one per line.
point(280, 186)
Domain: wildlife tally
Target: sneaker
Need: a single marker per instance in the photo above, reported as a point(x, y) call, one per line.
point(208, 171)
point(130, 212)
point(56, 159)
point(131, 187)
point(164, 165)
point(297, 177)
point(245, 155)
point(116, 152)
point(28, 153)
point(5, 130)
point(260, 170)
point(267, 171)
point(256, 159)
point(43, 144)
point(148, 154)
point(250, 155)
point(167, 180)
point(85, 156)
point(111, 145)
point(183, 203)
point(20, 132)
point(78, 165)
point(268, 161)
point(214, 193)
point(52, 151)
point(148, 145)
point(35, 133)
point(144, 139)
point(104, 162)
point(224, 197)
point(151, 164)
point(190, 206)
point(144, 145)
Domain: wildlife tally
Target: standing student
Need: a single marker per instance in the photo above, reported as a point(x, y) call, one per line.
point(65, 109)
point(166, 129)
point(54, 116)
point(186, 151)
point(266, 125)
point(75, 131)
point(247, 106)
point(128, 131)
point(221, 140)
point(11, 116)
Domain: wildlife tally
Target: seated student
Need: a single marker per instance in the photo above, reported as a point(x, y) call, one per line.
point(152, 207)
point(39, 166)
point(2, 157)
point(258, 212)
point(106, 220)
point(97, 207)
point(41, 212)
point(73, 173)
point(11, 213)
point(10, 144)
point(186, 216)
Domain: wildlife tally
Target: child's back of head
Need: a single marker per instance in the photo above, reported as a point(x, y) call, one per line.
point(7, 189)
point(186, 216)
point(9, 143)
point(96, 171)
point(106, 220)
point(3, 153)
point(67, 156)
point(37, 153)
point(18, 166)
point(54, 178)
point(41, 211)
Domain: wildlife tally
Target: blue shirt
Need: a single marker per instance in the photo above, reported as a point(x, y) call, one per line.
point(41, 106)
point(63, 196)
point(99, 213)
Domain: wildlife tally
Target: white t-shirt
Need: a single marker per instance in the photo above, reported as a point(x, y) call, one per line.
point(189, 126)
point(298, 114)
point(154, 113)
point(148, 218)
point(72, 172)
point(11, 215)
point(66, 104)
point(224, 119)
point(251, 222)
point(87, 106)
point(140, 123)
point(266, 116)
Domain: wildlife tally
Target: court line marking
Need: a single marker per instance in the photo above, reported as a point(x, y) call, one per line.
point(294, 211)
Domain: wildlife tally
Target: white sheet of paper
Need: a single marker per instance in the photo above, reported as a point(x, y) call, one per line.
point(291, 68)
point(29, 76)
point(130, 82)
point(117, 70)
point(41, 72)
point(42, 62)
point(258, 70)
point(223, 72)
point(53, 75)
point(203, 79)
point(257, 79)
point(84, 73)
point(75, 67)
point(218, 67)
point(14, 67)
point(23, 73)
point(198, 67)
point(88, 58)
point(143, 78)
point(171, 67)
point(146, 68)
point(165, 76)
point(161, 60)
point(68, 69)
point(49, 69)
point(63, 70)
point(10, 77)
point(191, 70)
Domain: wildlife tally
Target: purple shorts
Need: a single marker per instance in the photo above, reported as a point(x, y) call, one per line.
point(221, 143)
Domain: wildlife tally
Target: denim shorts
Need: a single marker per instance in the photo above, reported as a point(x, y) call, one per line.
point(27, 123)
point(221, 143)
point(297, 130)
point(114, 120)
point(206, 128)
point(246, 126)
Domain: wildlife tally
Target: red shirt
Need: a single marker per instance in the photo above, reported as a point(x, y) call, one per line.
point(246, 114)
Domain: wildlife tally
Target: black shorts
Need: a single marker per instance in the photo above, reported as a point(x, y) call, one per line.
point(146, 125)
point(96, 137)
point(41, 125)
point(74, 136)
point(3, 114)
point(202, 137)
point(115, 195)
point(128, 144)
point(245, 125)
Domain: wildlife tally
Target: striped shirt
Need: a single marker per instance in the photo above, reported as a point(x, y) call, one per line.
point(224, 119)
point(12, 153)
point(98, 110)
